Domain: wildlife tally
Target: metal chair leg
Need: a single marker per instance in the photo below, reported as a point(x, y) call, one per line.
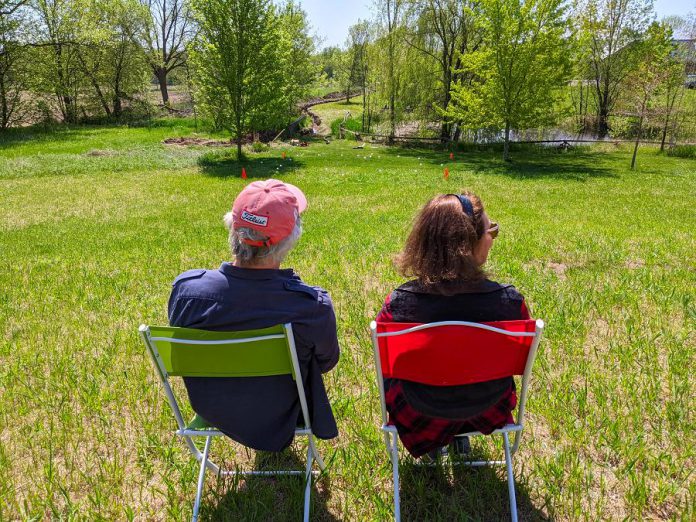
point(201, 478)
point(308, 483)
point(199, 456)
point(315, 453)
point(394, 454)
point(510, 478)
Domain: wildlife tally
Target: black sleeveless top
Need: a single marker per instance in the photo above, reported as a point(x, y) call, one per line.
point(484, 302)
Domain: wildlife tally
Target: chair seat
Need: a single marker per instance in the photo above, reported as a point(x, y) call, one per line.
point(201, 427)
point(199, 423)
point(505, 429)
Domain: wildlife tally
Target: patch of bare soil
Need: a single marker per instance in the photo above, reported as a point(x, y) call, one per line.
point(205, 142)
point(632, 264)
point(559, 269)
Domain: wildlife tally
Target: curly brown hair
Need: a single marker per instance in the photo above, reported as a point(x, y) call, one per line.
point(440, 247)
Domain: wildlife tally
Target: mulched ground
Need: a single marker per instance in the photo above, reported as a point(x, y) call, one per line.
point(206, 142)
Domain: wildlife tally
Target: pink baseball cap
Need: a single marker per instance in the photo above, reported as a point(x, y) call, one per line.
point(270, 207)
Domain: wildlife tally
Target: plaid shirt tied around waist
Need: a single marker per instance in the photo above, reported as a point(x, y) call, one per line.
point(421, 433)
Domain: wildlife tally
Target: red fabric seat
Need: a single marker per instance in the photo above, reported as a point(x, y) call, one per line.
point(455, 354)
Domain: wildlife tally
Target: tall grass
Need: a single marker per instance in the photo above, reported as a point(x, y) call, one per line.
point(95, 223)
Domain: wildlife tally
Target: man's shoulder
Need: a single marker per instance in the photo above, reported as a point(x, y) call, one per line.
point(315, 293)
point(195, 273)
point(193, 281)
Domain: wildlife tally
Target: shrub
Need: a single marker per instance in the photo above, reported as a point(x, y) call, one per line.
point(352, 124)
point(216, 157)
point(682, 151)
point(258, 146)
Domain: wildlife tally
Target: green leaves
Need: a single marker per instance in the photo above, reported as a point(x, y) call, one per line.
point(250, 63)
point(517, 76)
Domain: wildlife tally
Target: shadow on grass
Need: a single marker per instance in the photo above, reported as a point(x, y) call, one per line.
point(37, 133)
point(267, 498)
point(57, 132)
point(224, 163)
point(447, 492)
point(527, 161)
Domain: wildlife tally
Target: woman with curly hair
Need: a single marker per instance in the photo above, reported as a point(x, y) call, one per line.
point(445, 254)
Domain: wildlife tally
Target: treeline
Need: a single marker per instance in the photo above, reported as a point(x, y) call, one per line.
point(75, 59)
point(248, 62)
point(475, 69)
point(481, 69)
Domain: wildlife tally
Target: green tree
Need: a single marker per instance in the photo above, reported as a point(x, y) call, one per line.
point(14, 62)
point(444, 31)
point(327, 61)
point(298, 48)
point(238, 67)
point(360, 35)
point(57, 66)
point(681, 61)
point(111, 59)
point(391, 13)
point(167, 30)
point(608, 29)
point(652, 73)
point(521, 70)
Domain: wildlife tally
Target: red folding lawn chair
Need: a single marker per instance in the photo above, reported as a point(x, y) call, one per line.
point(452, 353)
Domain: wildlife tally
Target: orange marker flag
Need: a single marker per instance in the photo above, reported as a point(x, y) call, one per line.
point(283, 154)
point(244, 176)
point(451, 155)
point(446, 173)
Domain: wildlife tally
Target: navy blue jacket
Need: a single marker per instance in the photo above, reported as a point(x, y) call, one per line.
point(260, 412)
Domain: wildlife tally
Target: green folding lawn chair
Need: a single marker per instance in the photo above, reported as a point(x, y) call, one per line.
point(186, 352)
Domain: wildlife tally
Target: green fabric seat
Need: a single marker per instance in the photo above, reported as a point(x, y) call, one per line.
point(199, 423)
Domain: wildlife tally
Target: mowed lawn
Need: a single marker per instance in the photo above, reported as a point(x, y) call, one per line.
point(95, 223)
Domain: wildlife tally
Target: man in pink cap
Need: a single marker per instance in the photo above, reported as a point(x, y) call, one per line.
point(254, 292)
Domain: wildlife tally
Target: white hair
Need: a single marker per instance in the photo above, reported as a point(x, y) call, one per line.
point(249, 254)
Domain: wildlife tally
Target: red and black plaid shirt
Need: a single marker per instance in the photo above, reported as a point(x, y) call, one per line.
point(421, 433)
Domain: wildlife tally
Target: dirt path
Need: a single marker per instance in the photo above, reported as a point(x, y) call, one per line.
point(321, 127)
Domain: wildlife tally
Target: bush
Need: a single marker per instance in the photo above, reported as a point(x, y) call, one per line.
point(258, 146)
point(352, 124)
point(216, 157)
point(682, 151)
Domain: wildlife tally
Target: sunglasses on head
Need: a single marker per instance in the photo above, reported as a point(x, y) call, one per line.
point(493, 230)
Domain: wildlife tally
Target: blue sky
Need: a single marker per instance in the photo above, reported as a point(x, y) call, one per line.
point(331, 19)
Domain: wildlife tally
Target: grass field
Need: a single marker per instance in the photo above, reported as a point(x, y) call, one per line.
point(95, 223)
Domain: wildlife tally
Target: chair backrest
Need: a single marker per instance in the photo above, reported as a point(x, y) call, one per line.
point(450, 353)
point(187, 352)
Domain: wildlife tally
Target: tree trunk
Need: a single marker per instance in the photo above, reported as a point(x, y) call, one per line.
point(446, 127)
point(635, 148)
point(364, 94)
point(4, 117)
point(161, 74)
point(445, 130)
point(664, 134)
point(506, 146)
point(70, 115)
point(603, 122)
point(457, 133)
point(118, 105)
point(392, 118)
